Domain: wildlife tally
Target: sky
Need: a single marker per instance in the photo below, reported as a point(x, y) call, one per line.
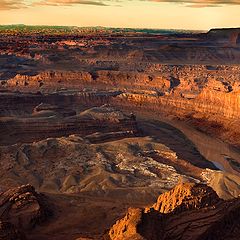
point(162, 14)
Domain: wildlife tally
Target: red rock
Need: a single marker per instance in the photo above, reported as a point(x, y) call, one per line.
point(23, 207)
point(188, 212)
point(9, 232)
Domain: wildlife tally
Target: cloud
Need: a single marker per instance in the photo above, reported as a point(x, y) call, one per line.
point(16, 4)
point(11, 4)
point(69, 2)
point(188, 3)
point(202, 3)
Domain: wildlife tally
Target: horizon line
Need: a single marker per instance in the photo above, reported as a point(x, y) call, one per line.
point(99, 26)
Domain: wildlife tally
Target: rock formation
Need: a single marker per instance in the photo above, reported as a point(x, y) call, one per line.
point(52, 121)
point(189, 211)
point(230, 36)
point(195, 93)
point(186, 197)
point(9, 232)
point(23, 207)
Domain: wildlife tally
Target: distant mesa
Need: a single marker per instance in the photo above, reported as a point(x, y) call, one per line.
point(229, 35)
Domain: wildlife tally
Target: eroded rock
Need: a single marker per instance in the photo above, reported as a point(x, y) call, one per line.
point(23, 207)
point(189, 211)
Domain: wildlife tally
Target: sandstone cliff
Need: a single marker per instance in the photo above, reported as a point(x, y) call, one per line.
point(189, 211)
point(230, 36)
point(198, 90)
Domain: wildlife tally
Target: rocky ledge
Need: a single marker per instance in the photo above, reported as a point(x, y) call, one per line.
point(189, 211)
point(53, 121)
point(21, 209)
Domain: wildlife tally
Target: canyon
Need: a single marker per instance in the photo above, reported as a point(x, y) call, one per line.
point(98, 125)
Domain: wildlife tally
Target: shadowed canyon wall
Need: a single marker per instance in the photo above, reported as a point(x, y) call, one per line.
point(205, 92)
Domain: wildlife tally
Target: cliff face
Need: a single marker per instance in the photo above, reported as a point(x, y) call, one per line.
point(154, 77)
point(52, 121)
point(207, 93)
point(51, 79)
point(230, 35)
point(189, 211)
point(205, 104)
point(186, 197)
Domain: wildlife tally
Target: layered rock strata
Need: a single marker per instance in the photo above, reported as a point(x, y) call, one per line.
point(51, 121)
point(21, 209)
point(207, 93)
point(189, 211)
